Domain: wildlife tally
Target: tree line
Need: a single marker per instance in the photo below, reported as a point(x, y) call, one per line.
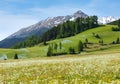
point(116, 28)
point(67, 29)
point(55, 49)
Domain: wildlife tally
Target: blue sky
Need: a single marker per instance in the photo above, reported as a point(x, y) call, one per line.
point(17, 14)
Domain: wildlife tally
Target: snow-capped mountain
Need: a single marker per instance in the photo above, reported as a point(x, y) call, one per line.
point(105, 20)
point(39, 28)
point(47, 24)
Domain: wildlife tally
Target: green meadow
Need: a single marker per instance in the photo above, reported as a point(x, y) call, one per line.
point(105, 33)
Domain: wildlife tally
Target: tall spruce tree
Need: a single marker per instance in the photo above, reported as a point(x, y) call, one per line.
point(118, 41)
point(60, 45)
point(86, 40)
point(16, 56)
point(50, 51)
point(55, 47)
point(80, 46)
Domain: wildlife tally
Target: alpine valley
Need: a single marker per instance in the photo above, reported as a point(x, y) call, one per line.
point(72, 49)
point(41, 27)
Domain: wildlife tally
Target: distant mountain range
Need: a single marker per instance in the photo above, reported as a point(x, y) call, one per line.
point(107, 19)
point(38, 29)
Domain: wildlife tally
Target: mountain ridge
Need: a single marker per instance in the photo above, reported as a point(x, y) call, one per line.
point(39, 28)
point(107, 19)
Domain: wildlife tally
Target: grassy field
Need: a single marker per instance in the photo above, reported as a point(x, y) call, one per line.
point(104, 32)
point(97, 64)
point(100, 68)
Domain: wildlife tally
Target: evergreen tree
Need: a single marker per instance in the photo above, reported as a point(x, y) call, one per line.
point(50, 51)
point(60, 45)
point(85, 45)
point(16, 56)
point(71, 50)
point(86, 40)
point(80, 46)
point(67, 29)
point(118, 41)
point(102, 42)
point(55, 47)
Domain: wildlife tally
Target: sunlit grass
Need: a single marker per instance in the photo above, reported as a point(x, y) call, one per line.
point(74, 69)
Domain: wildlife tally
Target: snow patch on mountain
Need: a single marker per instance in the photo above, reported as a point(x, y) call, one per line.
point(107, 19)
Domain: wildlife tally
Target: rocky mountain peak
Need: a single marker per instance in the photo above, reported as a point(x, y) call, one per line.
point(79, 13)
point(41, 27)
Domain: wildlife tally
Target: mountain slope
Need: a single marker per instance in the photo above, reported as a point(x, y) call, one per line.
point(104, 32)
point(114, 22)
point(105, 20)
point(67, 29)
point(39, 28)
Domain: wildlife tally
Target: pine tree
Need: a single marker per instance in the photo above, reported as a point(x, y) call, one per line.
point(60, 45)
point(55, 47)
point(50, 51)
point(71, 50)
point(86, 40)
point(16, 56)
point(85, 45)
point(80, 46)
point(102, 42)
point(118, 41)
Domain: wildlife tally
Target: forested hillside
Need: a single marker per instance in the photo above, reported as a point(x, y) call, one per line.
point(67, 29)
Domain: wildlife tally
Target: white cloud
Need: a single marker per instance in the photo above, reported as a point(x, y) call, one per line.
point(10, 23)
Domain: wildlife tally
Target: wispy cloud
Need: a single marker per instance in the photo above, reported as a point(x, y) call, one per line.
point(11, 23)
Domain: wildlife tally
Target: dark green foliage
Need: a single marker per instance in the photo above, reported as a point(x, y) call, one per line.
point(50, 51)
point(86, 40)
point(67, 29)
point(31, 41)
point(116, 28)
point(97, 36)
point(71, 50)
point(70, 28)
point(16, 56)
point(85, 45)
point(101, 42)
point(55, 47)
point(93, 34)
point(113, 23)
point(118, 41)
point(60, 45)
point(80, 46)
point(59, 53)
point(113, 42)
